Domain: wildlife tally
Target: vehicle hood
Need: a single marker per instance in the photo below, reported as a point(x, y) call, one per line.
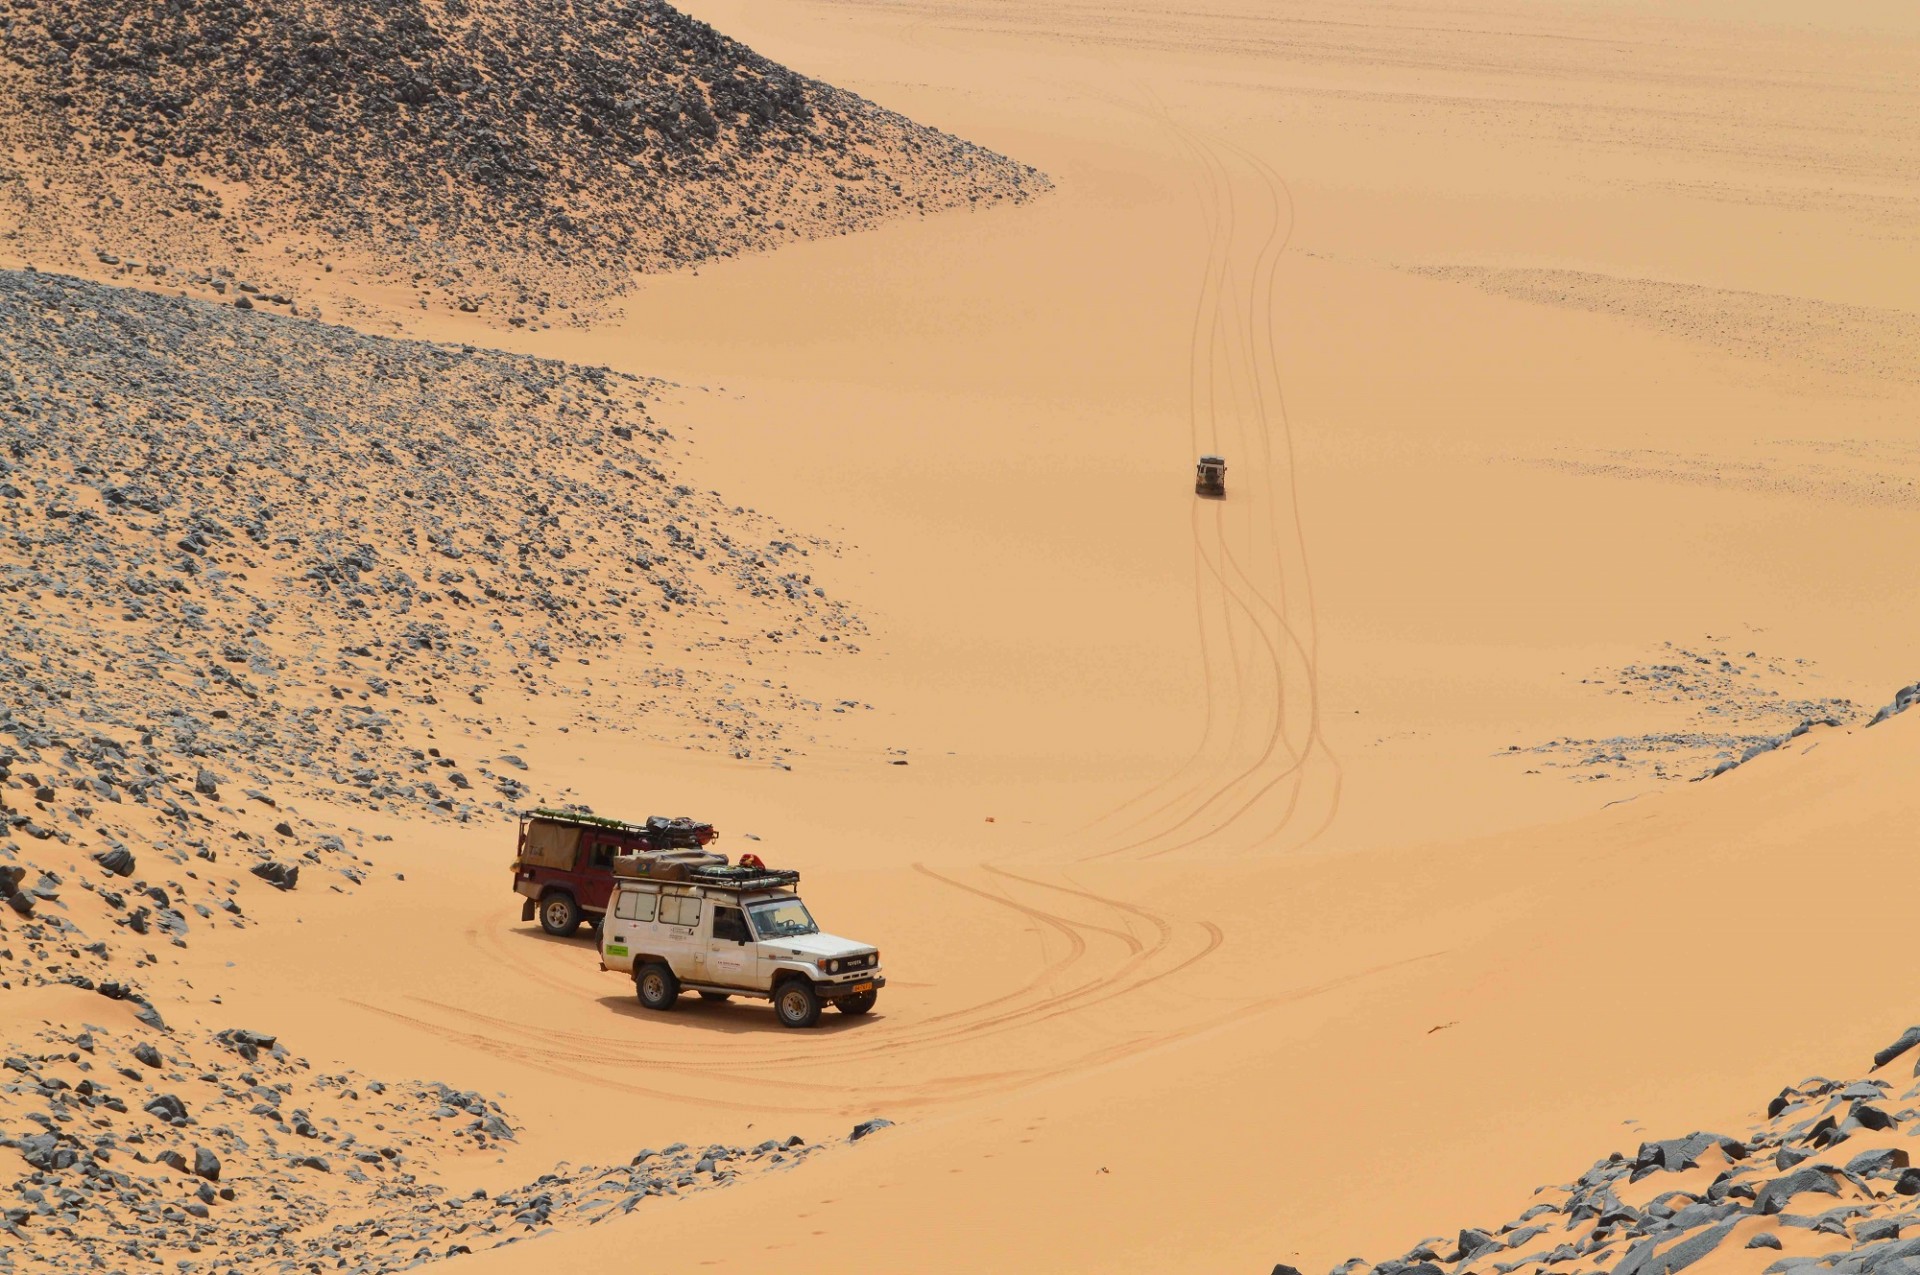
point(816, 945)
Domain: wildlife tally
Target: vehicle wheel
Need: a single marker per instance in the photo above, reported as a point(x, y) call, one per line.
point(857, 1004)
point(559, 914)
point(656, 986)
point(716, 996)
point(797, 1003)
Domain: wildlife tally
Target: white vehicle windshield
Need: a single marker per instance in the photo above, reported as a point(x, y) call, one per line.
point(781, 919)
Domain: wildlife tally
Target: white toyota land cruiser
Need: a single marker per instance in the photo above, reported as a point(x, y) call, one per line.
point(722, 931)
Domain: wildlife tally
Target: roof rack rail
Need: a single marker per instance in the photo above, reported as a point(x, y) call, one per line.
point(736, 877)
point(585, 821)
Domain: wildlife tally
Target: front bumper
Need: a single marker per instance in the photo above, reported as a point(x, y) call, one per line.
point(841, 985)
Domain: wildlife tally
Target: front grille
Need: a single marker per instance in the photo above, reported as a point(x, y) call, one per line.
point(858, 962)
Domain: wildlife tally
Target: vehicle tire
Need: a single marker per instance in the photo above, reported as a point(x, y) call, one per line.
point(861, 1004)
point(656, 986)
point(559, 914)
point(797, 1004)
point(716, 996)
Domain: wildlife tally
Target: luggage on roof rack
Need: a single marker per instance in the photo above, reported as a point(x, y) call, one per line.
point(741, 877)
point(699, 867)
point(665, 865)
point(681, 833)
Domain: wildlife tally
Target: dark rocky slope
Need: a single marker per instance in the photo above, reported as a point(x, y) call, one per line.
point(504, 155)
point(1823, 1184)
point(248, 563)
point(128, 1149)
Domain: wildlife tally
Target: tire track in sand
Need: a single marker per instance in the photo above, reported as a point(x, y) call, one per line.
point(1214, 197)
point(1219, 794)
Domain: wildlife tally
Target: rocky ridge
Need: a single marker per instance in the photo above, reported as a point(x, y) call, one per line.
point(1819, 1184)
point(523, 161)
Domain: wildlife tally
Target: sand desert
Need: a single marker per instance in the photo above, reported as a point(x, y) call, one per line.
point(1479, 844)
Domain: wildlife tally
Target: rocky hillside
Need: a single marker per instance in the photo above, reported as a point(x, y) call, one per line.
point(131, 1147)
point(252, 567)
point(512, 157)
point(1822, 1183)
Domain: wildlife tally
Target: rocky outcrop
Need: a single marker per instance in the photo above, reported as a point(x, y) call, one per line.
point(1823, 1179)
point(518, 159)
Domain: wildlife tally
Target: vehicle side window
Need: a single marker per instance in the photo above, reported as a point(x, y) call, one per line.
point(603, 852)
point(729, 925)
point(679, 909)
point(635, 905)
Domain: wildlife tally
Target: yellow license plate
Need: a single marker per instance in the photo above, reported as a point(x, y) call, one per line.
point(859, 988)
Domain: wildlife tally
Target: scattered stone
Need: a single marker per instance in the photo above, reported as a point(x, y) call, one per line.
point(282, 876)
point(167, 1107)
point(248, 1044)
point(1903, 699)
point(118, 861)
point(1908, 1039)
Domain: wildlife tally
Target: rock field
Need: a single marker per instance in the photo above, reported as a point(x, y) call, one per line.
point(1821, 1180)
point(250, 567)
point(521, 161)
point(1720, 707)
point(260, 574)
point(223, 1151)
point(248, 562)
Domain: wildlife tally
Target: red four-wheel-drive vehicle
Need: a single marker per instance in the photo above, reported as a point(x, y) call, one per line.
point(563, 866)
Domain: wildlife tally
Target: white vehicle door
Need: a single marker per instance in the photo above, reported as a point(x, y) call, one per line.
point(730, 953)
point(629, 926)
point(680, 933)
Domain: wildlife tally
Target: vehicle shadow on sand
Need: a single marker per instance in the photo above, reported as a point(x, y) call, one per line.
point(734, 1017)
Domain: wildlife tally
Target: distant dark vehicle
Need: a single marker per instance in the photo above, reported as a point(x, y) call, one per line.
point(1210, 477)
point(563, 864)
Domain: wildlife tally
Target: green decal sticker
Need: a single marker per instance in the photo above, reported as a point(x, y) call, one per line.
point(616, 949)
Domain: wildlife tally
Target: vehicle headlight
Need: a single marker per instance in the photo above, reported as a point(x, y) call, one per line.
point(833, 967)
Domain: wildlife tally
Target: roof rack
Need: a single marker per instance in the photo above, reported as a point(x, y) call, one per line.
point(586, 821)
point(663, 831)
point(739, 878)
